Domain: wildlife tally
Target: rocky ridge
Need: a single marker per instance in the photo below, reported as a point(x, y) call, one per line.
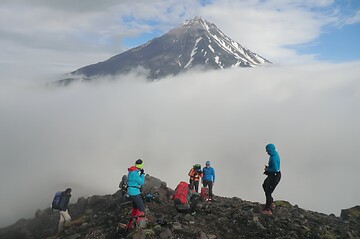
point(98, 216)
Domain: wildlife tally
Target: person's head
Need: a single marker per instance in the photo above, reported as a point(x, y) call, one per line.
point(207, 164)
point(139, 164)
point(68, 191)
point(197, 166)
point(270, 149)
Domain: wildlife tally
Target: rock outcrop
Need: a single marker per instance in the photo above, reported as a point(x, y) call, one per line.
point(98, 217)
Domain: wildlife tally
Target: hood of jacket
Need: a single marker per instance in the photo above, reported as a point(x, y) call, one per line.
point(270, 148)
point(132, 168)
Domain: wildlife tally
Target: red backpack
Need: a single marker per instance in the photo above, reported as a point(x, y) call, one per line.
point(181, 193)
point(204, 194)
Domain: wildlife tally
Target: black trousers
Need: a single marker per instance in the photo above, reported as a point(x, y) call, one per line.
point(269, 186)
point(137, 202)
point(210, 184)
point(192, 205)
point(194, 184)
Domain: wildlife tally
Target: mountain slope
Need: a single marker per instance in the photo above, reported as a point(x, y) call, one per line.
point(96, 217)
point(195, 43)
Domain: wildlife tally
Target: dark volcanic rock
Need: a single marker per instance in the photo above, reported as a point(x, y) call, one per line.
point(98, 216)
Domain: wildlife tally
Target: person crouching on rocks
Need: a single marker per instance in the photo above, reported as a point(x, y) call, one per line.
point(185, 200)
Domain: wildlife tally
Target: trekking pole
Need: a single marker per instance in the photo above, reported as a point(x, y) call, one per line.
point(124, 203)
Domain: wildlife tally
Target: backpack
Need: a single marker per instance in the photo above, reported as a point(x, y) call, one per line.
point(123, 185)
point(181, 193)
point(204, 194)
point(56, 200)
point(149, 197)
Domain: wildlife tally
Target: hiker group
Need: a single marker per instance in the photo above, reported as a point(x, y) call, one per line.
point(186, 196)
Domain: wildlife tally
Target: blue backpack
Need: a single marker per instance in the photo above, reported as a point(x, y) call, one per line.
point(56, 200)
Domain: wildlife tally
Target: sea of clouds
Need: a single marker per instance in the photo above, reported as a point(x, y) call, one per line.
point(86, 135)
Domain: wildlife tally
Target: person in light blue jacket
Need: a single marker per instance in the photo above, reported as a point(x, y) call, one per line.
point(272, 170)
point(208, 179)
point(136, 178)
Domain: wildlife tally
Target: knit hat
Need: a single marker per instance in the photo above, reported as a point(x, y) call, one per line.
point(207, 163)
point(139, 164)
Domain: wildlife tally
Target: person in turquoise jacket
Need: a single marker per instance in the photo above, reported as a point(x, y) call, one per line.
point(208, 179)
point(136, 178)
point(272, 170)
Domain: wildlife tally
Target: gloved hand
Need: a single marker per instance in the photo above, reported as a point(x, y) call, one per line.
point(141, 171)
point(265, 170)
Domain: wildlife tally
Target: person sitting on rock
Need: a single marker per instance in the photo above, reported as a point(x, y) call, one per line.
point(195, 174)
point(185, 200)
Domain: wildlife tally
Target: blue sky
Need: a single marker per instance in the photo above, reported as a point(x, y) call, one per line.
point(336, 45)
point(337, 41)
point(285, 32)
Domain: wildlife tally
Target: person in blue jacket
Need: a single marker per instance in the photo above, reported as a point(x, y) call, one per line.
point(136, 178)
point(272, 170)
point(208, 179)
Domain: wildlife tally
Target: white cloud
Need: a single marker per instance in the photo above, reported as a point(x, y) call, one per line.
point(87, 135)
point(354, 19)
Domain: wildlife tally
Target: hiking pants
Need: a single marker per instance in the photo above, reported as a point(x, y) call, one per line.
point(138, 203)
point(269, 186)
point(194, 184)
point(210, 184)
point(193, 203)
point(64, 219)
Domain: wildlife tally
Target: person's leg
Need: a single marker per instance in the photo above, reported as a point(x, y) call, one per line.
point(61, 222)
point(138, 203)
point(275, 179)
point(205, 183)
point(196, 184)
point(267, 189)
point(193, 202)
point(66, 217)
point(191, 184)
point(210, 189)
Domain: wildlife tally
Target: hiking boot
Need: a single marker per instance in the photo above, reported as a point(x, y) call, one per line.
point(266, 212)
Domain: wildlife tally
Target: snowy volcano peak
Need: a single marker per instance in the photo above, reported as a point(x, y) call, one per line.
point(197, 21)
point(216, 46)
point(196, 43)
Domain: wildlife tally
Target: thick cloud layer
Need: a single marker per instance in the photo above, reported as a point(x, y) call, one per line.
point(86, 136)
